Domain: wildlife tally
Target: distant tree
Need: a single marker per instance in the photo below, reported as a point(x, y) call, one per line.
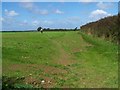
point(48, 28)
point(75, 29)
point(44, 29)
point(40, 29)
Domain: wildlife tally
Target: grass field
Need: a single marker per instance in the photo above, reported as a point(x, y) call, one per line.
point(58, 60)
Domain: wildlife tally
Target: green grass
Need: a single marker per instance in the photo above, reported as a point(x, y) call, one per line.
point(66, 59)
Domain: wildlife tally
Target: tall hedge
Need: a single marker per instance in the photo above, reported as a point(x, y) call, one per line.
point(107, 28)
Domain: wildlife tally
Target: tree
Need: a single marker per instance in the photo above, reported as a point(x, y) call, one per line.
point(39, 28)
point(75, 29)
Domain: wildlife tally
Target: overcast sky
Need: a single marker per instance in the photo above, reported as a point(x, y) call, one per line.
point(30, 15)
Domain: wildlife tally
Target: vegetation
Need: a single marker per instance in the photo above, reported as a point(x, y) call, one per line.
point(58, 60)
point(48, 29)
point(39, 28)
point(107, 28)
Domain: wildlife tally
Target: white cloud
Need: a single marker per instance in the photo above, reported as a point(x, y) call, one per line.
point(24, 23)
point(97, 14)
point(102, 5)
point(48, 22)
point(57, 11)
point(35, 23)
point(33, 8)
point(43, 12)
point(11, 13)
point(27, 5)
point(2, 19)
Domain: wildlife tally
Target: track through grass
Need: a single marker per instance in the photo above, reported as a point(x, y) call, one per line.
point(60, 59)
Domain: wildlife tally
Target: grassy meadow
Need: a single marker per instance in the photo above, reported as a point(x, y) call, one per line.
point(58, 60)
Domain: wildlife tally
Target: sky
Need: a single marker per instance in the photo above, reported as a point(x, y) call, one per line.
point(31, 15)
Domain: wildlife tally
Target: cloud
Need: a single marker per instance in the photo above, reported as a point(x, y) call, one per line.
point(33, 8)
point(8, 20)
point(11, 23)
point(35, 22)
point(67, 22)
point(57, 11)
point(43, 12)
point(44, 23)
point(28, 5)
point(24, 23)
point(48, 22)
point(102, 5)
point(11, 13)
point(97, 14)
point(2, 19)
